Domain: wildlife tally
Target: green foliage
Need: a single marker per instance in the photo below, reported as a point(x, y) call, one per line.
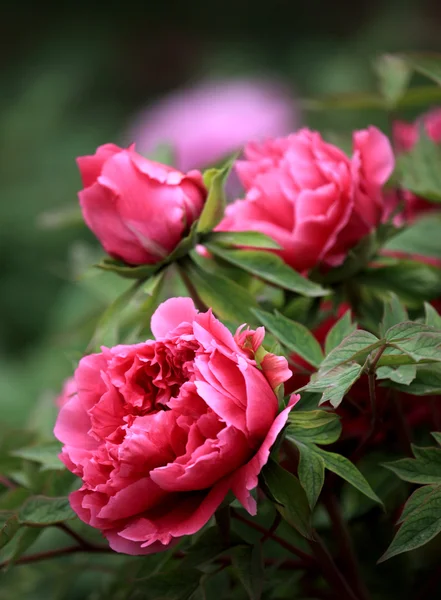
point(289, 497)
point(295, 336)
point(418, 169)
point(393, 74)
point(269, 267)
point(420, 520)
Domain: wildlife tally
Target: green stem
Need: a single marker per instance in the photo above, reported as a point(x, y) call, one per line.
point(307, 558)
point(347, 552)
point(330, 571)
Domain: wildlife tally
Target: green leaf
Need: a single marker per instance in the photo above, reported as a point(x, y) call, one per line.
point(339, 331)
point(415, 500)
point(44, 454)
point(42, 510)
point(426, 383)
point(175, 584)
point(414, 282)
point(207, 547)
point(422, 347)
point(393, 74)
point(20, 543)
point(421, 238)
point(124, 270)
point(419, 168)
point(214, 206)
point(318, 426)
point(247, 563)
point(437, 437)
point(403, 375)
point(334, 384)
point(424, 468)
point(228, 300)
point(433, 319)
point(250, 239)
point(269, 267)
point(108, 322)
point(311, 472)
point(294, 336)
point(408, 330)
point(421, 525)
point(355, 347)
point(343, 467)
point(394, 312)
point(427, 63)
point(291, 500)
point(9, 526)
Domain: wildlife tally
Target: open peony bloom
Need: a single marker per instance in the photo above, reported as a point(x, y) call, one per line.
point(206, 122)
point(405, 136)
point(315, 201)
point(161, 431)
point(137, 208)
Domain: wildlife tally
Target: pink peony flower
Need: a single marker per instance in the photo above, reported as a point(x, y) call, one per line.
point(161, 431)
point(214, 118)
point(405, 136)
point(138, 209)
point(310, 197)
point(69, 389)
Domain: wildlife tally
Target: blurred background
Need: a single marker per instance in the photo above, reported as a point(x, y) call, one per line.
point(78, 76)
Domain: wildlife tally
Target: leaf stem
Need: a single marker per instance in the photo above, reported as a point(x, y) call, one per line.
point(40, 556)
point(200, 305)
point(7, 483)
point(307, 558)
point(330, 571)
point(347, 552)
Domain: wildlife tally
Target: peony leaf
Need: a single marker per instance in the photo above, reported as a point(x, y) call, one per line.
point(228, 300)
point(422, 523)
point(251, 239)
point(311, 473)
point(355, 347)
point(394, 312)
point(334, 384)
point(427, 381)
point(289, 496)
point(295, 336)
point(428, 64)
point(420, 238)
point(9, 525)
point(415, 500)
point(433, 318)
point(339, 331)
point(343, 467)
point(419, 168)
point(424, 468)
point(214, 206)
point(317, 426)
point(247, 563)
point(393, 74)
point(403, 375)
point(412, 281)
point(42, 510)
point(269, 267)
point(44, 454)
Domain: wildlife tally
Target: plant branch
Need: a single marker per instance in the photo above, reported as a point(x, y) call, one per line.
point(200, 305)
point(7, 483)
point(40, 556)
point(330, 571)
point(85, 544)
point(347, 553)
point(307, 558)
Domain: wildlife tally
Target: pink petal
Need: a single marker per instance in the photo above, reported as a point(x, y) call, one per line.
point(275, 369)
point(91, 166)
point(245, 479)
point(170, 314)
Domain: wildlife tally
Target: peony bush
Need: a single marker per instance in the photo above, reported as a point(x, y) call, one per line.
point(256, 414)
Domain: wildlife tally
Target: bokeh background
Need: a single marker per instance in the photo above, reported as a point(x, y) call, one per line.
point(80, 75)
